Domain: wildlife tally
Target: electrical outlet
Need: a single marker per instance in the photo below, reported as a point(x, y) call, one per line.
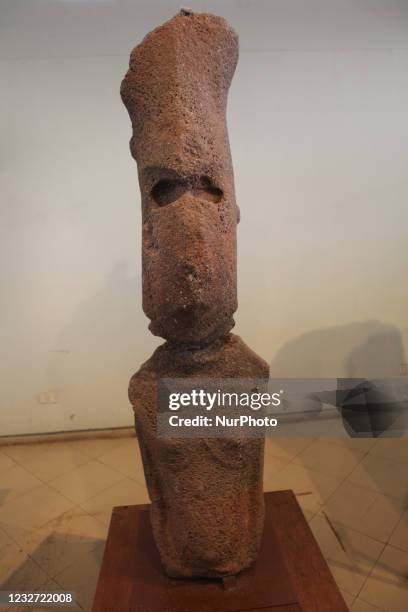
point(47, 397)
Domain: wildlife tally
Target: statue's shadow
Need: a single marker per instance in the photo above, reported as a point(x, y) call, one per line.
point(367, 350)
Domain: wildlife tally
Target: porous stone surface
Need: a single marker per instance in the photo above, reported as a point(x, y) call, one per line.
point(176, 91)
point(207, 507)
point(207, 495)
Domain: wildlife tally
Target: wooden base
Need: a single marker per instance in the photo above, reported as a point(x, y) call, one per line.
point(290, 574)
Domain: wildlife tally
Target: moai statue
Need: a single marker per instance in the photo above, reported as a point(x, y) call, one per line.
point(207, 507)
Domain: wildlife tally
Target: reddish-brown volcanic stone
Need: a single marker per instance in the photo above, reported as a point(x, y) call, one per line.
point(207, 503)
point(176, 91)
point(207, 497)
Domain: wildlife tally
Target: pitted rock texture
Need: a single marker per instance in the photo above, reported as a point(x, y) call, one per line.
point(176, 92)
point(207, 497)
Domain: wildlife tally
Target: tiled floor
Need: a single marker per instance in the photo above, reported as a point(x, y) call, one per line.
point(56, 500)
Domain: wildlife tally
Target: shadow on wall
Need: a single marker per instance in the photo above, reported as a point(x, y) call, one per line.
point(353, 385)
point(368, 349)
point(371, 350)
point(105, 342)
point(370, 469)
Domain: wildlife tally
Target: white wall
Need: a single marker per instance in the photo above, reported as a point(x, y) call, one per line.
point(319, 135)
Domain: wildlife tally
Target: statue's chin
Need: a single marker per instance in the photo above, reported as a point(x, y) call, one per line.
point(192, 326)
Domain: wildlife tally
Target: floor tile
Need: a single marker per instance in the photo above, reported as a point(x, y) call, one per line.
point(63, 540)
point(5, 462)
point(21, 515)
point(399, 537)
point(86, 481)
point(330, 459)
point(96, 447)
point(272, 466)
point(348, 598)
point(126, 459)
point(82, 577)
point(123, 493)
point(387, 585)
point(24, 453)
point(395, 449)
point(310, 487)
point(308, 514)
point(286, 448)
point(4, 540)
point(363, 445)
point(47, 461)
point(11, 558)
point(351, 558)
point(20, 573)
point(56, 461)
point(16, 481)
point(362, 606)
point(364, 510)
point(58, 529)
point(383, 475)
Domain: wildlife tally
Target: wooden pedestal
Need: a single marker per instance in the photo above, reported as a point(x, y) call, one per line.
point(290, 574)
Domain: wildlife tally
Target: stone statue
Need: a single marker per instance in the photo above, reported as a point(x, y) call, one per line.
point(207, 507)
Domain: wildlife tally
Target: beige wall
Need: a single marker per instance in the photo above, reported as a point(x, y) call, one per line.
point(319, 136)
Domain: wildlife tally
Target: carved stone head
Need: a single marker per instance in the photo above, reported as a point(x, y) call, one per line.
point(176, 91)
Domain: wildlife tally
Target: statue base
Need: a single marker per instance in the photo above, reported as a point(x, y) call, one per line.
point(290, 574)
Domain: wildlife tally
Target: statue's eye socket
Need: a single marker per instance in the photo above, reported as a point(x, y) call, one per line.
point(167, 191)
point(207, 190)
point(212, 194)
